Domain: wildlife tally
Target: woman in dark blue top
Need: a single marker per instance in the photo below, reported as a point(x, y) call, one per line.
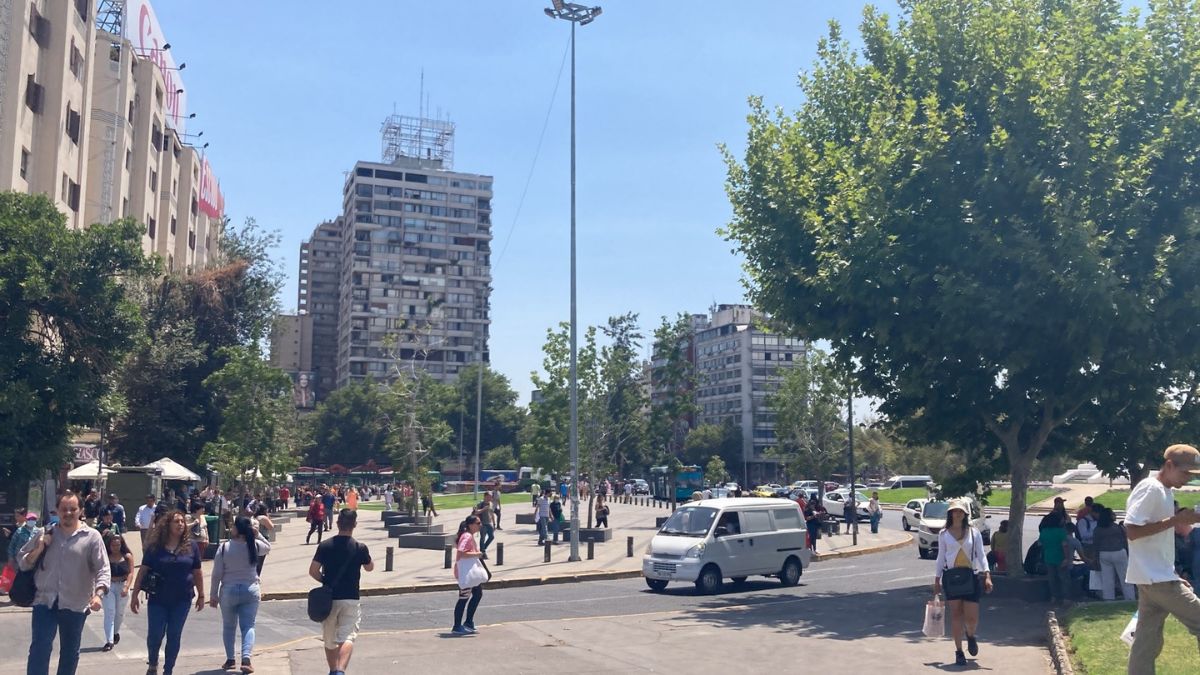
point(170, 575)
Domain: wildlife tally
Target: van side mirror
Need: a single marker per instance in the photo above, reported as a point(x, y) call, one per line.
point(721, 531)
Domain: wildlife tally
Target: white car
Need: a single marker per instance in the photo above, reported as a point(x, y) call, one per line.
point(910, 515)
point(806, 485)
point(835, 502)
point(933, 519)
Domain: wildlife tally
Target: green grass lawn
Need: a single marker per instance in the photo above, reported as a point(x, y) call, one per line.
point(998, 498)
point(460, 501)
point(1095, 630)
point(1115, 499)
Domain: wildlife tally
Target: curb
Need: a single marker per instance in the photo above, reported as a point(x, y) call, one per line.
point(818, 557)
point(520, 582)
point(1060, 657)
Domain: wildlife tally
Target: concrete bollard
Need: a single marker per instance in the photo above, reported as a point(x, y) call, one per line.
point(499, 554)
point(591, 550)
point(449, 552)
point(629, 547)
point(545, 553)
point(387, 562)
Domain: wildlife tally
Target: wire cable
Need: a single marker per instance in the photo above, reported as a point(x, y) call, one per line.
point(536, 153)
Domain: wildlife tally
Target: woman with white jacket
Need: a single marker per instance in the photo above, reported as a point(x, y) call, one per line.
point(961, 555)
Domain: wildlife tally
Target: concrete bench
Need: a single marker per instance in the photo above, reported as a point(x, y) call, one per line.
point(526, 519)
point(436, 542)
point(401, 530)
point(586, 534)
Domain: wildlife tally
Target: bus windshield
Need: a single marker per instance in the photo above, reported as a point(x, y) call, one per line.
point(689, 521)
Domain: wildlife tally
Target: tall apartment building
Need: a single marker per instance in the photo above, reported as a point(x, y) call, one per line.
point(45, 91)
point(737, 366)
point(412, 259)
point(320, 277)
point(95, 121)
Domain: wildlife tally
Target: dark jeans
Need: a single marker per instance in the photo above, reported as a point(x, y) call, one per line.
point(317, 527)
point(168, 620)
point(487, 533)
point(1060, 582)
point(48, 621)
point(470, 605)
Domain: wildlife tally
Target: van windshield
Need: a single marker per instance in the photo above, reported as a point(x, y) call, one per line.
point(689, 521)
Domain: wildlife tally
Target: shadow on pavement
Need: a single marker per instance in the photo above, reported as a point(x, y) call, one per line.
point(893, 613)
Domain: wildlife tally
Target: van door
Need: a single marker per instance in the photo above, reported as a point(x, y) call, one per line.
point(791, 535)
point(729, 544)
point(759, 554)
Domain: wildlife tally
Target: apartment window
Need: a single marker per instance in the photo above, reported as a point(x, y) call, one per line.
point(128, 159)
point(194, 203)
point(73, 195)
point(39, 27)
point(72, 123)
point(129, 117)
point(24, 162)
point(150, 226)
point(125, 207)
point(158, 95)
point(174, 186)
point(35, 93)
point(156, 138)
point(172, 225)
point(364, 172)
point(65, 181)
point(153, 180)
point(81, 6)
point(76, 60)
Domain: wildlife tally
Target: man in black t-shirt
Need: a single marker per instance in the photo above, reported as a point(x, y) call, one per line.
point(338, 564)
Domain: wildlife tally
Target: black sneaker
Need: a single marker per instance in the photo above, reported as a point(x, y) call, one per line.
point(107, 647)
point(116, 638)
point(228, 664)
point(959, 658)
point(972, 646)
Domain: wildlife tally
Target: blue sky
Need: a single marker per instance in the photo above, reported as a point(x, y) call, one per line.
point(290, 98)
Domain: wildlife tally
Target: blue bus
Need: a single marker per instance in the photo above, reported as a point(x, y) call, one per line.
point(688, 479)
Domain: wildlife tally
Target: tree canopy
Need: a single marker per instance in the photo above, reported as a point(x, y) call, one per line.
point(991, 211)
point(66, 323)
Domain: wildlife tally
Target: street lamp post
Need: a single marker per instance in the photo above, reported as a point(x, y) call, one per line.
point(576, 14)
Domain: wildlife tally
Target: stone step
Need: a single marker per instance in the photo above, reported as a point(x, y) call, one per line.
point(436, 542)
point(401, 530)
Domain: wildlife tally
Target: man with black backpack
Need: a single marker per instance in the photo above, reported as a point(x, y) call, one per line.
point(338, 565)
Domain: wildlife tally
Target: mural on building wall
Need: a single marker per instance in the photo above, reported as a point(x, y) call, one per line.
point(304, 393)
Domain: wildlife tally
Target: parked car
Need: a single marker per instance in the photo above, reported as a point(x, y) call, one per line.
point(835, 502)
point(763, 491)
point(707, 541)
point(640, 486)
point(730, 486)
point(809, 495)
point(933, 519)
point(910, 515)
point(876, 485)
point(806, 485)
point(830, 485)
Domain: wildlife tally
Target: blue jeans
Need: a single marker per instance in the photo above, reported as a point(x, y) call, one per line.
point(239, 606)
point(543, 524)
point(875, 522)
point(555, 527)
point(48, 621)
point(487, 533)
point(165, 619)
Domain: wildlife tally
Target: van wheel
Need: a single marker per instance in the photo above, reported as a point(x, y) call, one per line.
point(709, 581)
point(738, 580)
point(656, 585)
point(790, 574)
point(904, 523)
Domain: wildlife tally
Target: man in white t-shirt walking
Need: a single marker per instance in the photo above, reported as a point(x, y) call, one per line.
point(1150, 520)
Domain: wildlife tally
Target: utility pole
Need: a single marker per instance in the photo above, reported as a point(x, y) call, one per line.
point(850, 437)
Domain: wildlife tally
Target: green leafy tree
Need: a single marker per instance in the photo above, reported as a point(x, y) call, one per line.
point(500, 457)
point(502, 417)
point(257, 440)
point(545, 435)
point(715, 471)
point(707, 440)
point(809, 410)
point(990, 212)
point(66, 323)
point(674, 386)
point(346, 427)
point(190, 320)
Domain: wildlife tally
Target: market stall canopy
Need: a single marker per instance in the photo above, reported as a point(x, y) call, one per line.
point(88, 471)
point(172, 470)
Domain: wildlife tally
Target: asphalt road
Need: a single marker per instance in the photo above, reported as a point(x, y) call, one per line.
point(891, 583)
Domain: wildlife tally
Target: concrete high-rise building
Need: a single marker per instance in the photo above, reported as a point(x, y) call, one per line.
point(45, 93)
point(412, 260)
point(738, 365)
point(291, 352)
point(320, 277)
point(96, 121)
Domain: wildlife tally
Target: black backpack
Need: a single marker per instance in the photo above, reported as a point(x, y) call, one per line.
point(1033, 564)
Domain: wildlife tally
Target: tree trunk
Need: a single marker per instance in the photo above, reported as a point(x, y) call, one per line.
point(1137, 473)
point(1014, 554)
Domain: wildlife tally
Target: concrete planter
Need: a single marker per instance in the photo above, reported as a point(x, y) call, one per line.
point(586, 534)
point(526, 519)
point(436, 542)
point(401, 530)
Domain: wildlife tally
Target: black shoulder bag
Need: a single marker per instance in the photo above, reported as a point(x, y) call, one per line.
point(24, 585)
point(959, 582)
point(320, 599)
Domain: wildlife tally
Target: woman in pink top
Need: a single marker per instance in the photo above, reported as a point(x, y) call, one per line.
point(467, 557)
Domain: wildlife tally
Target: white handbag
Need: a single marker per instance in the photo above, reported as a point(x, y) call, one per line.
point(471, 573)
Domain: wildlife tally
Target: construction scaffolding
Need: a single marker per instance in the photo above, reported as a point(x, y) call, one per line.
point(418, 138)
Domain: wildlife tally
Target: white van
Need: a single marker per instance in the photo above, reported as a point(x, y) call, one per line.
point(713, 539)
point(897, 482)
point(933, 519)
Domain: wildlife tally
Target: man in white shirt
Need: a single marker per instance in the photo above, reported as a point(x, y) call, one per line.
point(1150, 520)
point(145, 518)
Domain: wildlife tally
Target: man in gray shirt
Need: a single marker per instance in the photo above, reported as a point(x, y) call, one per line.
point(72, 579)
